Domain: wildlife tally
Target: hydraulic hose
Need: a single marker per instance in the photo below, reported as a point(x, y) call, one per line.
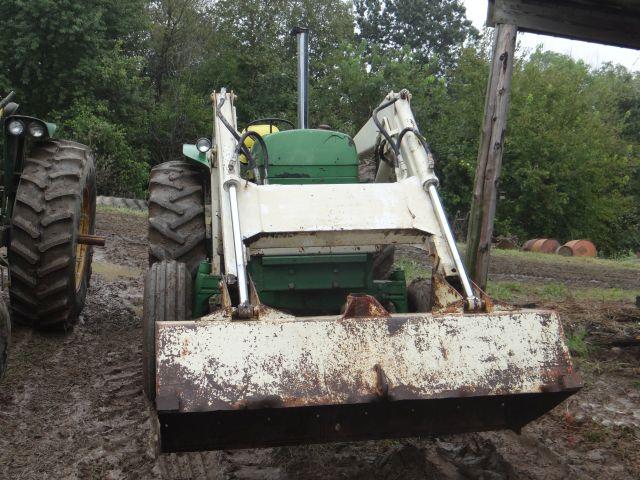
point(252, 162)
point(394, 148)
point(241, 138)
point(418, 135)
point(228, 126)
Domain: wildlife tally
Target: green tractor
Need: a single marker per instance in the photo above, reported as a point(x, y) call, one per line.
point(47, 222)
point(268, 319)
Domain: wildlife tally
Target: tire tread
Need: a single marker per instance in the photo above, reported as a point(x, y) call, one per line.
point(42, 248)
point(177, 228)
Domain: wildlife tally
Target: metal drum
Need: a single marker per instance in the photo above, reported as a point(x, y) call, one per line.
point(541, 245)
point(578, 248)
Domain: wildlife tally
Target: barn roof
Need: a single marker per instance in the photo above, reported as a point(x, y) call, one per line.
point(612, 22)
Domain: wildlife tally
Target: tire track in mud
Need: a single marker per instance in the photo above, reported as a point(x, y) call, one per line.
point(191, 466)
point(72, 407)
point(123, 379)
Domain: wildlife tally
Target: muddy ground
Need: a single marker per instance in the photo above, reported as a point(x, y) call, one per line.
point(71, 405)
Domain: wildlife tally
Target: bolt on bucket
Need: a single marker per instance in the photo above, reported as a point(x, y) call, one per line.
point(284, 380)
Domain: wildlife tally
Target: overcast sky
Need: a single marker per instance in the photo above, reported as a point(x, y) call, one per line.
point(592, 53)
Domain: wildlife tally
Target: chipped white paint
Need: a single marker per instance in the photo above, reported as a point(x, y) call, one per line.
point(327, 360)
point(415, 160)
point(226, 170)
point(335, 208)
point(343, 215)
point(317, 250)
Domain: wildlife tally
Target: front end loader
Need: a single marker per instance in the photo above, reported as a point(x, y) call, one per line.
point(267, 320)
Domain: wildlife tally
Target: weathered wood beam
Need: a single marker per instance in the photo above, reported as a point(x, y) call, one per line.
point(613, 22)
point(485, 191)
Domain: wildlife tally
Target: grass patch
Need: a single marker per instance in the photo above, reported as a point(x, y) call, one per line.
point(554, 291)
point(413, 270)
point(513, 291)
point(122, 211)
point(506, 291)
point(606, 294)
point(577, 342)
point(630, 262)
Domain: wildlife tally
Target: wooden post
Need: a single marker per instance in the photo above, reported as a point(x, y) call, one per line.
point(485, 190)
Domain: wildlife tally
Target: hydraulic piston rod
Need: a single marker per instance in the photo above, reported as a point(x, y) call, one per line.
point(237, 245)
point(472, 301)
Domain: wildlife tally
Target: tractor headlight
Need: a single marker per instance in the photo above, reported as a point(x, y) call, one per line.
point(203, 145)
point(36, 130)
point(16, 127)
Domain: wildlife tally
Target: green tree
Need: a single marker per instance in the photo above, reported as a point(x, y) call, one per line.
point(79, 64)
point(433, 31)
point(252, 52)
point(567, 168)
point(120, 170)
point(356, 83)
point(50, 50)
point(453, 129)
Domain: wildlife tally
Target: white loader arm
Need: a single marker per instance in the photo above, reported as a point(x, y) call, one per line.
point(264, 219)
point(393, 129)
point(394, 115)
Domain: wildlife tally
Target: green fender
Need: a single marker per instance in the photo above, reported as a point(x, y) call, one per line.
point(191, 152)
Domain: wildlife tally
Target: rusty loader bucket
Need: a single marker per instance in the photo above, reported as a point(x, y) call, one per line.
point(280, 379)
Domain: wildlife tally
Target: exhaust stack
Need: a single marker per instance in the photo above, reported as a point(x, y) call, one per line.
point(302, 34)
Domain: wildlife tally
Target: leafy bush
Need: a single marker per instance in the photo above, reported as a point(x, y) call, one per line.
point(120, 169)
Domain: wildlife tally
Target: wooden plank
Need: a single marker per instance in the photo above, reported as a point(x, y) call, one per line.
point(483, 207)
point(612, 22)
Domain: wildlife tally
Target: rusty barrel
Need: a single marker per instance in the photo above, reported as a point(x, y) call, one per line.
point(542, 245)
point(578, 248)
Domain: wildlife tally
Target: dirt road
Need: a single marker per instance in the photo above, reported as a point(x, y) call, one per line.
point(71, 406)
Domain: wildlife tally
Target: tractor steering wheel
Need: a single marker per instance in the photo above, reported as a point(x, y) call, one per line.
point(270, 121)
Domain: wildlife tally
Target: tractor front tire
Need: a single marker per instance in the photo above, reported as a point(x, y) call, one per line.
point(55, 202)
point(177, 229)
point(167, 298)
point(420, 295)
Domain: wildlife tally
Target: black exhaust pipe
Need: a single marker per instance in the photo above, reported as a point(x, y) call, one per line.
point(302, 34)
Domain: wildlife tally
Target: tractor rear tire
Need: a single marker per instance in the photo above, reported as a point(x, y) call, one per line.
point(167, 298)
point(55, 202)
point(177, 229)
point(5, 336)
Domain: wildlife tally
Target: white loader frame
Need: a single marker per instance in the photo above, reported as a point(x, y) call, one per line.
point(251, 219)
